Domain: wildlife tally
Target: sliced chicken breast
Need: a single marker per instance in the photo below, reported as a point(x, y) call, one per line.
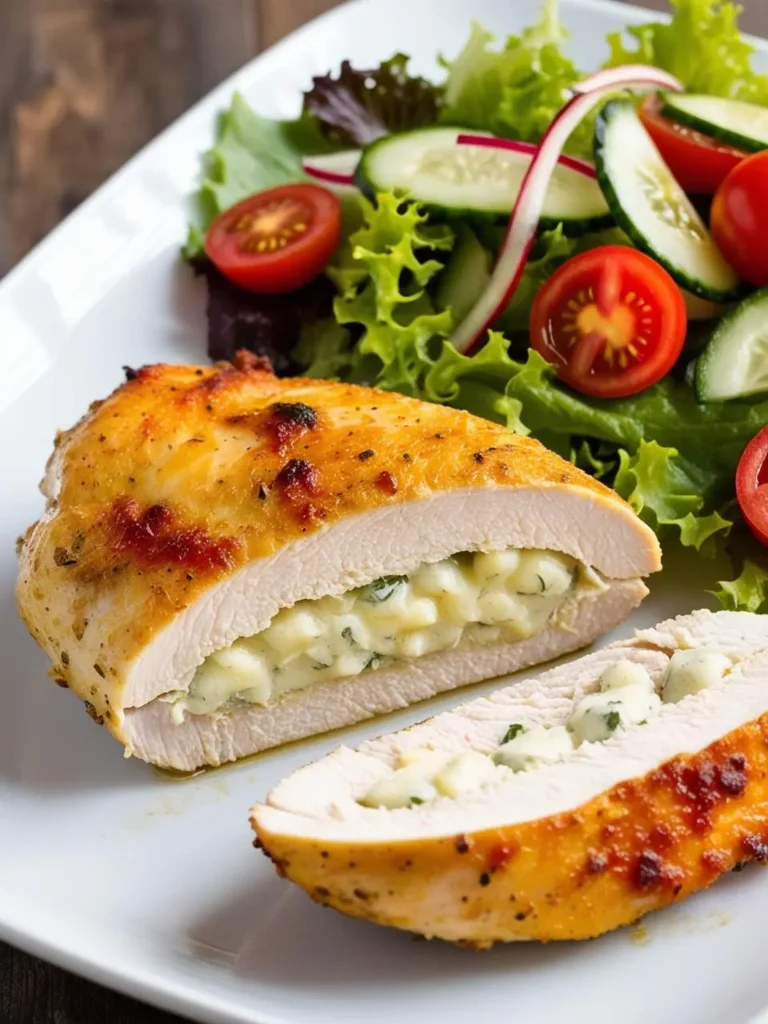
point(229, 561)
point(558, 808)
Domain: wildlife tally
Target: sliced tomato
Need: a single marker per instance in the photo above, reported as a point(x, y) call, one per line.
point(611, 320)
point(698, 162)
point(752, 485)
point(278, 240)
point(739, 219)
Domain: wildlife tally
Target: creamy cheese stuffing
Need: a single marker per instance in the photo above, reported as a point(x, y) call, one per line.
point(626, 697)
point(481, 597)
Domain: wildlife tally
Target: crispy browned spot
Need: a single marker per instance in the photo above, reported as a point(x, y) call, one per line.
point(755, 846)
point(596, 863)
point(499, 855)
point(152, 536)
point(286, 422)
point(386, 482)
point(699, 785)
point(248, 362)
point(298, 478)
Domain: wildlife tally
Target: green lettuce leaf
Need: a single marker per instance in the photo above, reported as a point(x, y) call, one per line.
point(381, 274)
point(251, 153)
point(324, 350)
point(514, 91)
point(674, 491)
point(702, 46)
point(748, 592)
point(475, 383)
point(711, 437)
point(665, 491)
point(600, 460)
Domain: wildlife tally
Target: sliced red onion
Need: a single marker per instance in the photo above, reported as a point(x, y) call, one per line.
point(626, 76)
point(333, 168)
point(524, 220)
point(529, 148)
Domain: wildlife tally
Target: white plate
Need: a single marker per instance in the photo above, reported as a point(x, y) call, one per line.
point(151, 886)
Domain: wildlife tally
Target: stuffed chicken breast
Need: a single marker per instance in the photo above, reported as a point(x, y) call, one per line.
point(230, 561)
point(558, 808)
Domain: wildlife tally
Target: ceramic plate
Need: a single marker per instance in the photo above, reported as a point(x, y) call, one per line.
point(151, 886)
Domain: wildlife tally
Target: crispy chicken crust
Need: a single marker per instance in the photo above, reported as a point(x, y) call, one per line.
point(638, 847)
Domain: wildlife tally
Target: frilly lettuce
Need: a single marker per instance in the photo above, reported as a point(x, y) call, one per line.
point(666, 491)
point(476, 383)
point(701, 45)
point(711, 437)
point(381, 275)
point(748, 592)
point(514, 91)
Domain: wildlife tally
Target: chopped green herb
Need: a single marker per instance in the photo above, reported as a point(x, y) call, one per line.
point(384, 587)
point(347, 635)
point(374, 661)
point(512, 731)
point(612, 721)
point(541, 583)
point(319, 665)
point(416, 800)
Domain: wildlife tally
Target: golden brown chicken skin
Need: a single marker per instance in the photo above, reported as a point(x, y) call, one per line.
point(643, 845)
point(570, 849)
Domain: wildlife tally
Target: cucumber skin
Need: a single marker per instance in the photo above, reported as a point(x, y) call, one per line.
point(628, 226)
point(723, 330)
point(571, 228)
point(712, 131)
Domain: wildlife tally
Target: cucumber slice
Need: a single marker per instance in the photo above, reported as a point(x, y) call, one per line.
point(652, 208)
point(466, 275)
point(740, 124)
point(461, 181)
point(735, 362)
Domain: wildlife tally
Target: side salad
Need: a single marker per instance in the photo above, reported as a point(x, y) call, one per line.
point(579, 257)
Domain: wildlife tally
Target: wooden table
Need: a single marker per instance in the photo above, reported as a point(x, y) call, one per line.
point(84, 84)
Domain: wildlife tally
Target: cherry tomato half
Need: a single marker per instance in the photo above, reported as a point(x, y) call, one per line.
point(278, 240)
point(611, 320)
point(698, 162)
point(739, 218)
point(752, 485)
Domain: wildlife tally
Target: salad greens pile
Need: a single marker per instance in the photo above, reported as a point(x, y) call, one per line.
point(383, 321)
point(514, 91)
point(702, 46)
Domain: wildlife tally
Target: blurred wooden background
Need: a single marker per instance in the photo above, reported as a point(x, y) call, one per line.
point(83, 85)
